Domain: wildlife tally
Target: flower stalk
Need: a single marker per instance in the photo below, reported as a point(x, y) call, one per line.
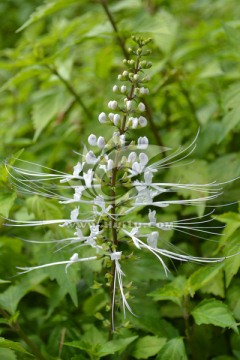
point(115, 178)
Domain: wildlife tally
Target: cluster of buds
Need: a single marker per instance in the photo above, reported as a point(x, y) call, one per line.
point(115, 178)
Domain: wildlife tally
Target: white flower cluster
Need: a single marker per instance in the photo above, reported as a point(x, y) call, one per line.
point(115, 178)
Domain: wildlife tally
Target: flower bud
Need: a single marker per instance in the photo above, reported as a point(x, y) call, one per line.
point(90, 158)
point(111, 116)
point(142, 143)
point(132, 157)
point(141, 107)
point(122, 139)
point(101, 142)
point(129, 104)
point(123, 89)
point(92, 140)
point(142, 121)
point(143, 158)
point(110, 164)
point(116, 119)
point(112, 104)
point(125, 73)
point(134, 123)
point(115, 88)
point(102, 118)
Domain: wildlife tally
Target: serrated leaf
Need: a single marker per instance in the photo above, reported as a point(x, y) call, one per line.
point(148, 346)
point(95, 303)
point(118, 345)
point(214, 312)
point(174, 291)
point(4, 343)
point(202, 277)
point(10, 298)
point(174, 349)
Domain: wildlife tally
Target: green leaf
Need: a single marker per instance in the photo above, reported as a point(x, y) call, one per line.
point(95, 303)
point(118, 345)
point(7, 354)
point(232, 265)
point(174, 349)
point(12, 345)
point(174, 291)
point(233, 300)
point(195, 173)
point(202, 277)
point(44, 209)
point(49, 8)
point(10, 298)
point(212, 69)
point(147, 346)
point(215, 312)
point(233, 223)
point(232, 109)
point(6, 202)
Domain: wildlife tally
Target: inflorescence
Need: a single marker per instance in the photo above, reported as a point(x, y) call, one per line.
point(115, 178)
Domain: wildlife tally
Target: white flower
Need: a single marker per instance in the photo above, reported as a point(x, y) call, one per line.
point(141, 107)
point(142, 143)
point(115, 88)
point(116, 119)
point(148, 177)
point(144, 91)
point(123, 89)
point(122, 139)
point(110, 165)
point(134, 122)
point(77, 169)
point(129, 105)
point(91, 158)
point(102, 118)
point(143, 159)
point(101, 142)
point(152, 217)
point(92, 140)
point(132, 157)
point(112, 104)
point(142, 121)
point(152, 239)
point(74, 214)
point(111, 116)
point(88, 177)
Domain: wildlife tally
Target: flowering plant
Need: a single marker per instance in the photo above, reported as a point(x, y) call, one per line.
point(114, 179)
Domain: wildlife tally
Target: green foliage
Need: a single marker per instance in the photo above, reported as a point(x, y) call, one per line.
point(58, 62)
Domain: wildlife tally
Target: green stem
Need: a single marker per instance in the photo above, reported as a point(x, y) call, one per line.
point(114, 26)
point(125, 53)
point(71, 90)
point(15, 326)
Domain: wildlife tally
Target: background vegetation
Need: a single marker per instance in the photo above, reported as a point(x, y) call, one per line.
point(58, 62)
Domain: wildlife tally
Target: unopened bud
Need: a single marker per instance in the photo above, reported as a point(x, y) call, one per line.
point(92, 140)
point(142, 121)
point(102, 118)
